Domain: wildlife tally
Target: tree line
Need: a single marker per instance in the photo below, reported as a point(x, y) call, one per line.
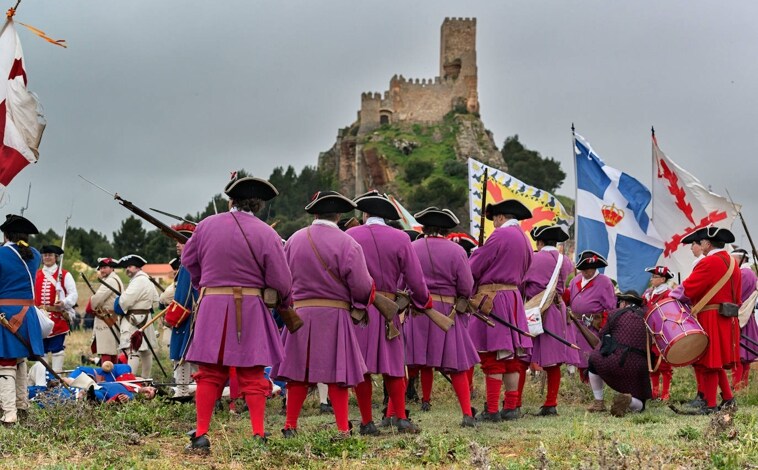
point(285, 212)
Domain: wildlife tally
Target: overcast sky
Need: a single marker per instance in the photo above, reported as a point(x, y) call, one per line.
point(160, 100)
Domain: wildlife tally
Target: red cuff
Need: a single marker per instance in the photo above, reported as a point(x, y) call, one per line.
point(372, 295)
point(429, 302)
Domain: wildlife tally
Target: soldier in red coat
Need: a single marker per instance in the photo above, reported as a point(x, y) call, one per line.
point(659, 290)
point(55, 292)
point(723, 330)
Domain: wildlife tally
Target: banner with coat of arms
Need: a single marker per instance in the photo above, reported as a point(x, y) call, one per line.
point(546, 209)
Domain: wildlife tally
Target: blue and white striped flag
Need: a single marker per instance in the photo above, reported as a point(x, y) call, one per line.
point(611, 219)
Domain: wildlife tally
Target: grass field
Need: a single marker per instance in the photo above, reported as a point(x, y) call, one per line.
point(150, 434)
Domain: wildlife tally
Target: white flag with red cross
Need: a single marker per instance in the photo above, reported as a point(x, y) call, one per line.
point(681, 204)
point(21, 119)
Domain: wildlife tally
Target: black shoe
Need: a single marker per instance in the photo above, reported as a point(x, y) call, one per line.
point(426, 406)
point(198, 444)
point(547, 411)
point(698, 402)
point(407, 427)
point(487, 416)
point(730, 405)
point(706, 410)
point(473, 411)
point(387, 422)
point(468, 422)
point(369, 429)
point(289, 433)
point(326, 408)
point(261, 439)
point(510, 415)
point(22, 414)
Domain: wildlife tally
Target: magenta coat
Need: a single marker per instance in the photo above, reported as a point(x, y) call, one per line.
point(447, 273)
point(394, 266)
point(503, 259)
point(325, 349)
point(547, 351)
point(217, 255)
point(751, 328)
point(597, 297)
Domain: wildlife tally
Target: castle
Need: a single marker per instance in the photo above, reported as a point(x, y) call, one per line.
point(356, 162)
point(429, 100)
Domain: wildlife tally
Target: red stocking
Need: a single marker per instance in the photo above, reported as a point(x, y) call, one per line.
point(726, 389)
point(494, 386)
point(553, 385)
point(396, 390)
point(210, 381)
point(339, 397)
point(710, 385)
point(427, 380)
point(460, 385)
point(363, 393)
point(296, 393)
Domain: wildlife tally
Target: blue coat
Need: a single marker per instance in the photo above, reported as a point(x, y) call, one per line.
point(186, 296)
point(15, 284)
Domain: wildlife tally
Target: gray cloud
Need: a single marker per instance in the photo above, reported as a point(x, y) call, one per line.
point(160, 100)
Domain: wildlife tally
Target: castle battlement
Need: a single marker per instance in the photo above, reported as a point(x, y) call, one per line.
point(418, 100)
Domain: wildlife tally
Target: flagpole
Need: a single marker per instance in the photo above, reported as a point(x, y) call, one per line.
point(652, 181)
point(576, 192)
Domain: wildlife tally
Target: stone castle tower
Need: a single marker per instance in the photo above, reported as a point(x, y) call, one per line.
point(429, 100)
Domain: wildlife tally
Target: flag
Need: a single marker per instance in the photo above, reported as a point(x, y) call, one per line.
point(21, 119)
point(681, 204)
point(406, 218)
point(546, 209)
point(611, 219)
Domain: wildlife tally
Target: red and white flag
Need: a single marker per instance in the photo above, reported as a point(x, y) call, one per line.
point(21, 119)
point(682, 204)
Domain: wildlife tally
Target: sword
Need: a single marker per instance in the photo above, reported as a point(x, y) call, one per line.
point(748, 349)
point(115, 336)
point(505, 323)
point(32, 356)
point(749, 340)
point(559, 339)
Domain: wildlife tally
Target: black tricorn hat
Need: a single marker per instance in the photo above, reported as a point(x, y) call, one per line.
point(434, 217)
point(377, 205)
point(56, 250)
point(709, 233)
point(549, 233)
point(743, 253)
point(588, 259)
point(508, 207)
point(175, 264)
point(109, 262)
point(630, 296)
point(18, 224)
point(463, 239)
point(662, 271)
point(249, 187)
point(413, 234)
point(132, 260)
point(329, 202)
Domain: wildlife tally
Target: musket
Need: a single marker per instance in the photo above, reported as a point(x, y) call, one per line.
point(483, 218)
point(110, 288)
point(173, 216)
point(590, 337)
point(748, 348)
point(59, 294)
point(32, 355)
point(499, 320)
point(156, 283)
point(559, 339)
point(165, 229)
point(749, 340)
point(747, 232)
point(86, 281)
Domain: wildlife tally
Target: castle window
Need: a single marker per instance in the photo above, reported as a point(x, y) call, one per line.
point(384, 119)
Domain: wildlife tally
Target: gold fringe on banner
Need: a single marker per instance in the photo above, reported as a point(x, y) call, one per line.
point(40, 33)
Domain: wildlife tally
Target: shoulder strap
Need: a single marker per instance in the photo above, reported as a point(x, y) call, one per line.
point(320, 259)
point(709, 295)
point(247, 242)
point(550, 288)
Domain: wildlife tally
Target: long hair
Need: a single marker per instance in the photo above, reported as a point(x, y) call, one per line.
point(248, 205)
point(23, 248)
point(432, 230)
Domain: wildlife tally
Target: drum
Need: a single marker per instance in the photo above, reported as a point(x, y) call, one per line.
point(677, 333)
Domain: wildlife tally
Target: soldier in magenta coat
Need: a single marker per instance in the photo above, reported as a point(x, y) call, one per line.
point(448, 277)
point(590, 297)
point(547, 351)
point(499, 267)
point(394, 266)
point(329, 278)
point(231, 258)
point(741, 371)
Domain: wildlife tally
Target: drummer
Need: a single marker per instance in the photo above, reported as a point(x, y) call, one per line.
point(715, 316)
point(621, 361)
point(659, 290)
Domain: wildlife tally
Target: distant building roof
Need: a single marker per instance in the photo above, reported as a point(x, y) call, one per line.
point(159, 270)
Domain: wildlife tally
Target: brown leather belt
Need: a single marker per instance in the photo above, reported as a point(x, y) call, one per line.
point(50, 308)
point(322, 303)
point(448, 299)
point(230, 291)
point(490, 288)
point(138, 312)
point(390, 295)
point(16, 302)
point(710, 307)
